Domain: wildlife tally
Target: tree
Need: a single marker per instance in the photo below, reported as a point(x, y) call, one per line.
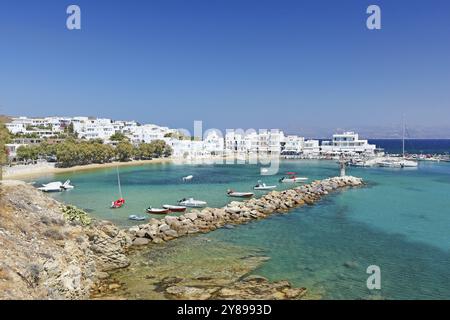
point(4, 139)
point(118, 136)
point(124, 151)
point(145, 151)
point(30, 152)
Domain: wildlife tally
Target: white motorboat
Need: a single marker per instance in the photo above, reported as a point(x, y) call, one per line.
point(188, 178)
point(232, 193)
point(192, 203)
point(52, 187)
point(263, 186)
point(293, 179)
point(174, 208)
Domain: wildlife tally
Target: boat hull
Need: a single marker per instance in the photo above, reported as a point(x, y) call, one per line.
point(175, 208)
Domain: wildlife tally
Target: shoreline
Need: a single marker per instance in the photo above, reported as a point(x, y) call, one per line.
point(38, 171)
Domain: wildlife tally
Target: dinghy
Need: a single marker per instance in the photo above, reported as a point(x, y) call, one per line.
point(232, 193)
point(174, 208)
point(157, 210)
point(188, 178)
point(263, 186)
point(136, 218)
point(192, 203)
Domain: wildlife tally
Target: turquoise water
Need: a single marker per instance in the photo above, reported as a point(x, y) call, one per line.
point(400, 221)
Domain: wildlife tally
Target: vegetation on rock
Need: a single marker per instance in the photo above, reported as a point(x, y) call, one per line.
point(74, 214)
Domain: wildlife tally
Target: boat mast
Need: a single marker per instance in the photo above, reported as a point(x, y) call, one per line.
point(118, 182)
point(403, 137)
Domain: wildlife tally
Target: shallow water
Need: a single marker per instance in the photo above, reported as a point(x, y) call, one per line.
point(399, 221)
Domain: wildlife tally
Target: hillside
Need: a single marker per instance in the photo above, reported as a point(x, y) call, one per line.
point(45, 257)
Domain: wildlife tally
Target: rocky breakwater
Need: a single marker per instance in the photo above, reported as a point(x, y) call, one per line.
point(209, 219)
point(45, 256)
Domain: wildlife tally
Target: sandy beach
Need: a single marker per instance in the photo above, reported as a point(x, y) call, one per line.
point(32, 171)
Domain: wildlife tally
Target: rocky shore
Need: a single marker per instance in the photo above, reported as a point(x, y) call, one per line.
point(43, 256)
point(209, 219)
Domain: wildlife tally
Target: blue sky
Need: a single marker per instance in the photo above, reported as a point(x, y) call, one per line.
point(296, 65)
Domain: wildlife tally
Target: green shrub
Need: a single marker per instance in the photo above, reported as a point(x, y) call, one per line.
point(73, 214)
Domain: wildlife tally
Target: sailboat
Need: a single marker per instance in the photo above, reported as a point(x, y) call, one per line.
point(121, 201)
point(402, 162)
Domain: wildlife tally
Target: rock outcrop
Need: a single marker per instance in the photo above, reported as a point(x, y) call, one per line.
point(42, 256)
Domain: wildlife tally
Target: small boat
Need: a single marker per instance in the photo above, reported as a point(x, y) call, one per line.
point(188, 178)
point(232, 193)
point(174, 208)
point(192, 203)
point(292, 178)
point(157, 210)
point(137, 218)
point(118, 203)
point(263, 186)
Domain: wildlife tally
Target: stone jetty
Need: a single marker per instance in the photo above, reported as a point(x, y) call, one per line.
point(236, 212)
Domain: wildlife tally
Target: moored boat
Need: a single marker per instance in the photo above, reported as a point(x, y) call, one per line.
point(232, 193)
point(188, 178)
point(292, 178)
point(118, 203)
point(192, 203)
point(263, 186)
point(52, 187)
point(157, 210)
point(174, 208)
point(136, 218)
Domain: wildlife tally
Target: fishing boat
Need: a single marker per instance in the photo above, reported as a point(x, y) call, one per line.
point(137, 218)
point(121, 201)
point(157, 210)
point(188, 178)
point(232, 193)
point(174, 208)
point(292, 178)
point(192, 203)
point(263, 186)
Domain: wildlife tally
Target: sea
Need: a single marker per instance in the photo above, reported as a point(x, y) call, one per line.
point(399, 221)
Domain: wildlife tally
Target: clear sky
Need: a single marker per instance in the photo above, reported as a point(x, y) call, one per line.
point(296, 65)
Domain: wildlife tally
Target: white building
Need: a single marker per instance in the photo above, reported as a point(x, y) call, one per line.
point(293, 145)
point(311, 148)
point(213, 143)
point(347, 143)
point(186, 149)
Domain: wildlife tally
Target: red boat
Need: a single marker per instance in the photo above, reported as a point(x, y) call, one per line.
point(118, 203)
